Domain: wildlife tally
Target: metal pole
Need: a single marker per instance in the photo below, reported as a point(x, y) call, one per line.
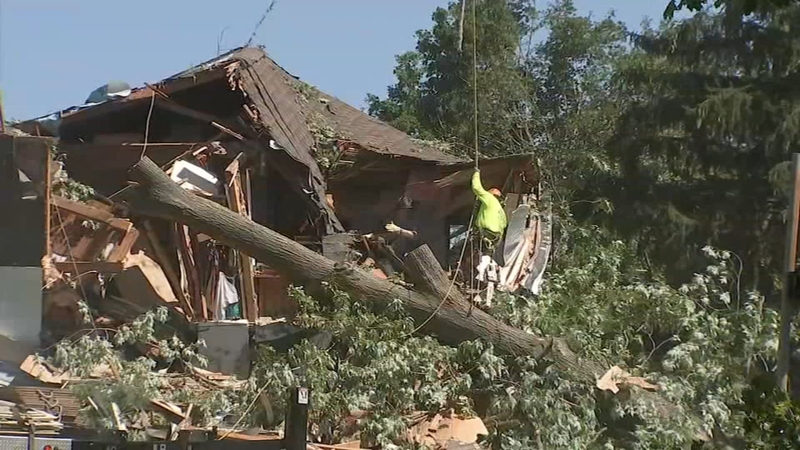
point(789, 269)
point(296, 430)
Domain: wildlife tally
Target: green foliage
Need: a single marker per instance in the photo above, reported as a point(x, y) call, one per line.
point(135, 382)
point(711, 118)
point(666, 140)
point(773, 420)
point(698, 342)
point(740, 7)
point(433, 97)
point(326, 147)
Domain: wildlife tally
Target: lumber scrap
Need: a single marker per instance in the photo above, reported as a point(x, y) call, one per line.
point(187, 260)
point(90, 213)
point(142, 281)
point(125, 245)
point(163, 260)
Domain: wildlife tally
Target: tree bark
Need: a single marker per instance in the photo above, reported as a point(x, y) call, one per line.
point(427, 274)
point(156, 195)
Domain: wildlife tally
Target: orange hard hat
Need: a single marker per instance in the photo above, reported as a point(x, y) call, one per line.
point(495, 192)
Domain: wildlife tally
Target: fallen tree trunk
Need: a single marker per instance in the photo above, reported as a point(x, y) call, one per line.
point(427, 274)
point(451, 321)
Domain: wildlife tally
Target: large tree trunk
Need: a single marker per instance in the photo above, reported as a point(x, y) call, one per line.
point(453, 322)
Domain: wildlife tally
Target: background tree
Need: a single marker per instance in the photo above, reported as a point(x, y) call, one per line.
point(739, 7)
point(433, 97)
point(702, 149)
point(668, 140)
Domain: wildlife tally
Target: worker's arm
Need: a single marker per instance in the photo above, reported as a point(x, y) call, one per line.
point(477, 187)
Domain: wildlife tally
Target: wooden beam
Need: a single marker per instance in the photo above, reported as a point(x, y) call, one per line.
point(233, 190)
point(201, 268)
point(81, 267)
point(164, 261)
point(210, 119)
point(91, 213)
point(189, 265)
point(125, 245)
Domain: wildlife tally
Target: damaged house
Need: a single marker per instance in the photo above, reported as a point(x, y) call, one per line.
point(309, 166)
point(242, 132)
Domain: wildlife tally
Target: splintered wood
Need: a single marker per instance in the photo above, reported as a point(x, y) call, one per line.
point(616, 377)
point(236, 200)
point(78, 242)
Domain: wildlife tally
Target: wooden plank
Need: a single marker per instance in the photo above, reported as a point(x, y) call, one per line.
point(200, 268)
point(248, 193)
point(233, 190)
point(163, 260)
point(124, 246)
point(90, 213)
point(82, 267)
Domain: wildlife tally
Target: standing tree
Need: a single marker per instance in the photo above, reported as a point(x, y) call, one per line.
point(703, 147)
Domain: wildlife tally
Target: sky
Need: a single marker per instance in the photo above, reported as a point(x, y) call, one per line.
point(53, 53)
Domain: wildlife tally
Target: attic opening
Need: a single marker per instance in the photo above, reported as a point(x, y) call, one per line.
point(128, 120)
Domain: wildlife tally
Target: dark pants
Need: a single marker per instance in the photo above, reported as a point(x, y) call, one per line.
point(492, 244)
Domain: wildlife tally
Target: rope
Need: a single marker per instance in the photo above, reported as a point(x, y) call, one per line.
point(468, 240)
point(475, 77)
point(453, 281)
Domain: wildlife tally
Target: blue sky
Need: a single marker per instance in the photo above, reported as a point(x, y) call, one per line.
point(53, 53)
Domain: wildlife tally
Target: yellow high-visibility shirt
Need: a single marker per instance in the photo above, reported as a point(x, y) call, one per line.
point(491, 216)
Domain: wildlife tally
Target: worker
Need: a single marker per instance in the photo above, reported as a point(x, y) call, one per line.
point(491, 219)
